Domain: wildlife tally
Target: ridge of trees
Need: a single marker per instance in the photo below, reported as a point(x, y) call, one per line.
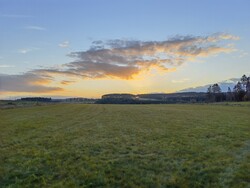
point(36, 99)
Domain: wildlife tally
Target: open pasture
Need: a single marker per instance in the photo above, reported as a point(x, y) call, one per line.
point(71, 145)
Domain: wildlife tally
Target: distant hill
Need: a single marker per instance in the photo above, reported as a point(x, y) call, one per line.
point(156, 98)
point(223, 85)
point(163, 96)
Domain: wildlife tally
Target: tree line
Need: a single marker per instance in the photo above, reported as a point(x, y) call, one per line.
point(240, 92)
point(36, 99)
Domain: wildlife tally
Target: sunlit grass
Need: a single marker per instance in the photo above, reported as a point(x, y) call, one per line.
point(71, 145)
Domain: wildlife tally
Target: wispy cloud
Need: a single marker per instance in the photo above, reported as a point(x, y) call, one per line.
point(64, 44)
point(126, 58)
point(6, 66)
point(243, 54)
point(37, 28)
point(27, 82)
point(67, 82)
point(26, 50)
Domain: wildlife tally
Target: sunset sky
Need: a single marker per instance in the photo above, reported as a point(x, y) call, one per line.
point(87, 48)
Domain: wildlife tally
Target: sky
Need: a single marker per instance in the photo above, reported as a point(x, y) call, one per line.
point(87, 48)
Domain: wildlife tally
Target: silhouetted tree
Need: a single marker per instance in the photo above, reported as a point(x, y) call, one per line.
point(216, 88)
point(214, 93)
point(218, 95)
point(229, 96)
point(247, 96)
point(239, 92)
point(244, 79)
point(210, 94)
point(248, 85)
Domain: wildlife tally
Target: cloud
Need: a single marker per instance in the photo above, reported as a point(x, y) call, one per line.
point(243, 54)
point(64, 44)
point(6, 66)
point(27, 82)
point(38, 28)
point(27, 50)
point(66, 82)
point(24, 50)
point(125, 58)
point(121, 59)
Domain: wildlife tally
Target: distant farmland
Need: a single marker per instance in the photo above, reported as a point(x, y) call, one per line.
point(71, 145)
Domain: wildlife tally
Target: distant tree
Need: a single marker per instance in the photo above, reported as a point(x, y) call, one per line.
point(247, 96)
point(239, 91)
point(218, 95)
point(248, 86)
point(216, 88)
point(209, 89)
point(244, 79)
point(210, 94)
point(229, 95)
point(214, 93)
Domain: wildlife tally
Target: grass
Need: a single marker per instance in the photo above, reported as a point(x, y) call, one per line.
point(8, 104)
point(72, 145)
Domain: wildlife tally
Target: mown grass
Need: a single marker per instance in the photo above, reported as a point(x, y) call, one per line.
point(72, 145)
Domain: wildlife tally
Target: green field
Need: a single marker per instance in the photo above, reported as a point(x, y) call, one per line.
point(72, 145)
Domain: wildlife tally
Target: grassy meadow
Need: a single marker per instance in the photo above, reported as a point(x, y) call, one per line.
point(72, 145)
